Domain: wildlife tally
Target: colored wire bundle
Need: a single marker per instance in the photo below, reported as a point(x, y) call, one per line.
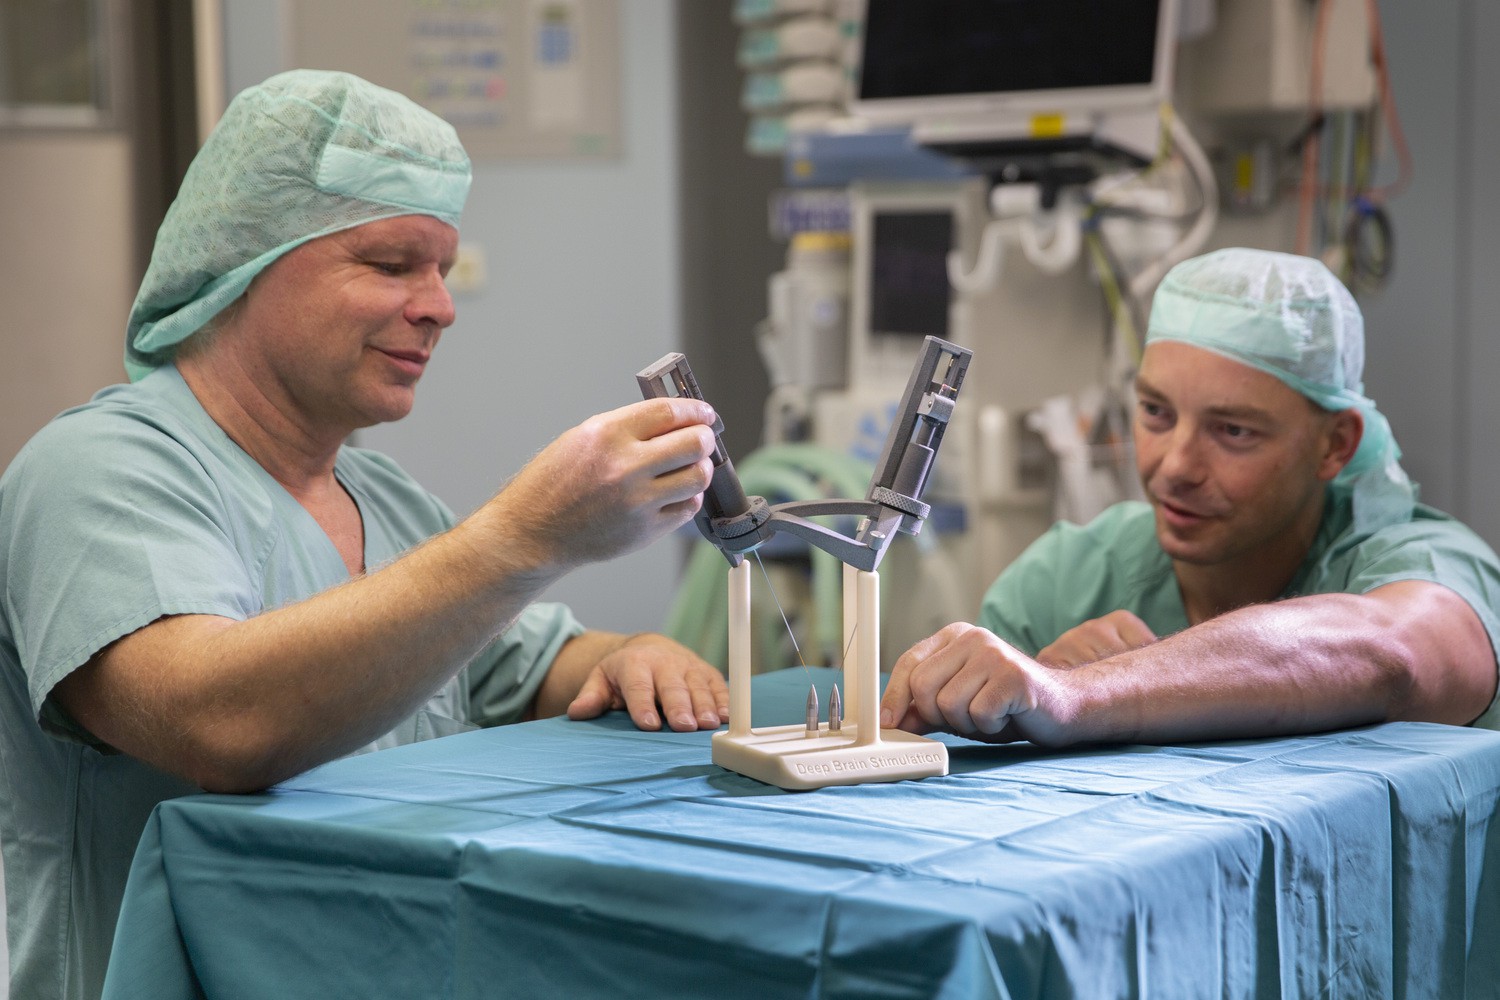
point(1341, 212)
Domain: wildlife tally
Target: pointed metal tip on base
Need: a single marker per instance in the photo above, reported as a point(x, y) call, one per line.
point(835, 711)
point(812, 710)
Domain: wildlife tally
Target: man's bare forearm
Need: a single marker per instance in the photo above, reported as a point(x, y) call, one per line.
point(1405, 651)
point(236, 705)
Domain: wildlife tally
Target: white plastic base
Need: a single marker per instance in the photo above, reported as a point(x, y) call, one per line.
point(787, 757)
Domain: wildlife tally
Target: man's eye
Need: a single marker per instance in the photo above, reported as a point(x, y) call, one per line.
point(1236, 432)
point(388, 267)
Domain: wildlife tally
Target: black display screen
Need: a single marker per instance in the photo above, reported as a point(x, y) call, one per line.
point(928, 48)
point(909, 288)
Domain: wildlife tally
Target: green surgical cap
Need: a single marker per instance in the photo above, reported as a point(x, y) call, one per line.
point(1290, 317)
point(302, 155)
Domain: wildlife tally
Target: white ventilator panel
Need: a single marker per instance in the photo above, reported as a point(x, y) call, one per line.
point(1038, 335)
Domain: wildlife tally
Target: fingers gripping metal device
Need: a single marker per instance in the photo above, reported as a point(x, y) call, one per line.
point(799, 757)
point(738, 524)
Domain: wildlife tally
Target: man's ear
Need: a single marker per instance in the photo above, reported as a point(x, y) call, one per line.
point(1345, 430)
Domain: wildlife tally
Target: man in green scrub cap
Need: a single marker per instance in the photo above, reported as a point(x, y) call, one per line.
point(205, 588)
point(1281, 577)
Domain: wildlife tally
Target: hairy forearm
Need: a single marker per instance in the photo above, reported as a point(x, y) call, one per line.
point(1301, 665)
point(1259, 671)
point(239, 705)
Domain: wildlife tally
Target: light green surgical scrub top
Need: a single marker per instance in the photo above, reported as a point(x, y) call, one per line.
point(134, 506)
point(1073, 574)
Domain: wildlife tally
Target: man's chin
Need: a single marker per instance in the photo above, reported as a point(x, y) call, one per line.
point(393, 404)
point(1193, 551)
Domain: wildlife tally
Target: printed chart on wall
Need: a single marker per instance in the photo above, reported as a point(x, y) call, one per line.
point(519, 79)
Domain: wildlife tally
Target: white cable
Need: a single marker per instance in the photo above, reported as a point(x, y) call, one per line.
point(985, 274)
point(768, 338)
point(1144, 283)
point(1067, 237)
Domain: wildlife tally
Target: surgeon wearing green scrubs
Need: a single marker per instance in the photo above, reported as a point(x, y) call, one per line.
point(206, 588)
point(1280, 577)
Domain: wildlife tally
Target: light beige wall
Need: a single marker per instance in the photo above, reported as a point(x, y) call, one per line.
point(66, 273)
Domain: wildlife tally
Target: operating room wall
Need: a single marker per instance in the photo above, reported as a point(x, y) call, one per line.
point(1434, 356)
point(66, 274)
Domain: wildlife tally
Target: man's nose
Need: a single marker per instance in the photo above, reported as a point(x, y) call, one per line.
point(1182, 459)
point(431, 302)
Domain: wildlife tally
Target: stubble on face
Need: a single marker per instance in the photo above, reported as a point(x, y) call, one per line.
point(1228, 456)
point(341, 329)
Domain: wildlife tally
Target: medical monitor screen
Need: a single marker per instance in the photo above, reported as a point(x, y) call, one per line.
point(909, 289)
point(945, 48)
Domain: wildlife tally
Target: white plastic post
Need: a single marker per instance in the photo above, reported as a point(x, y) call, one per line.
point(867, 659)
point(851, 625)
point(739, 649)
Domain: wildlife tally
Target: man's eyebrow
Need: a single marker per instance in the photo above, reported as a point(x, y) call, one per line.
point(1141, 385)
point(1243, 413)
point(380, 246)
point(385, 248)
point(1232, 412)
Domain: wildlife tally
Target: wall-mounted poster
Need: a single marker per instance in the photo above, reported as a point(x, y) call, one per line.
point(517, 78)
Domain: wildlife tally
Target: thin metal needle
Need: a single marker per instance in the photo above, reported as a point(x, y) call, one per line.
point(790, 635)
point(852, 633)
